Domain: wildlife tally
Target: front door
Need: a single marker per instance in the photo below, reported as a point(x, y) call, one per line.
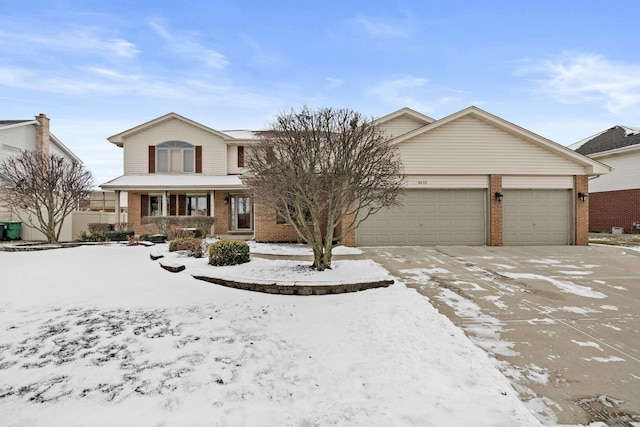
point(241, 213)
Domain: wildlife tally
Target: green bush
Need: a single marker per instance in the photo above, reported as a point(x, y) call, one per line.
point(153, 238)
point(112, 236)
point(118, 236)
point(189, 244)
point(228, 252)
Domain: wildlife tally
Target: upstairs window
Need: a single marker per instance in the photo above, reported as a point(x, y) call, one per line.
point(240, 156)
point(175, 157)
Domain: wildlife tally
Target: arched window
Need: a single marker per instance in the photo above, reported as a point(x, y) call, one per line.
point(175, 156)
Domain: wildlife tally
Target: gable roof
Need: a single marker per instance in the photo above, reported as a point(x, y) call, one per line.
point(406, 111)
point(7, 124)
point(118, 139)
point(613, 138)
point(592, 166)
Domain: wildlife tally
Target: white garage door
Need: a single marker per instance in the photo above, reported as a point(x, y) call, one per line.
point(429, 218)
point(536, 217)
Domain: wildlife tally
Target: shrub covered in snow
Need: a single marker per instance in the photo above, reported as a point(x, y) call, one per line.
point(190, 244)
point(228, 252)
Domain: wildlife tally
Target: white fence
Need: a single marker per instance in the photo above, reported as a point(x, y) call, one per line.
point(73, 225)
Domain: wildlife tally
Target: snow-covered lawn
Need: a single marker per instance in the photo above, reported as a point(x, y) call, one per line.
point(102, 336)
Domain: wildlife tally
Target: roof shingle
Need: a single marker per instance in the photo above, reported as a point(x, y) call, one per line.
point(611, 139)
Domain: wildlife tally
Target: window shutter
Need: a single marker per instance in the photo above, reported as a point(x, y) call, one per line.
point(208, 205)
point(198, 158)
point(172, 204)
point(240, 156)
point(144, 205)
point(152, 159)
point(182, 204)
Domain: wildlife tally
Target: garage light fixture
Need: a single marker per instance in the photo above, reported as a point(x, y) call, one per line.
point(499, 196)
point(583, 196)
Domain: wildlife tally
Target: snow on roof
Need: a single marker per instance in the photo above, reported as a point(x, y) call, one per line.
point(168, 181)
point(241, 134)
point(616, 137)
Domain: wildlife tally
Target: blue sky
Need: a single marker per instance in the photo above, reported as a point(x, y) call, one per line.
point(563, 69)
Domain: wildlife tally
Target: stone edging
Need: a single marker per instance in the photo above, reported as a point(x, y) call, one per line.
point(273, 288)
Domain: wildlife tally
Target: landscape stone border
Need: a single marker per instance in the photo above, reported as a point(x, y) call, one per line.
point(274, 288)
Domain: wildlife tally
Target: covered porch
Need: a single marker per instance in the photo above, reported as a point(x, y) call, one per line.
point(222, 197)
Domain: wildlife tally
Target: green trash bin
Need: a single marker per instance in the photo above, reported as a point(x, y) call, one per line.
point(13, 230)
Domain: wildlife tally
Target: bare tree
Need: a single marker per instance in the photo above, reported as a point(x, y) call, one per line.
point(43, 189)
point(325, 171)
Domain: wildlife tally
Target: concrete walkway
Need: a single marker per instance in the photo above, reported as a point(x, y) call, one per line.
point(563, 323)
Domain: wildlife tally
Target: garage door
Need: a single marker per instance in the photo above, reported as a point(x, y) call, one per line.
point(429, 217)
point(536, 217)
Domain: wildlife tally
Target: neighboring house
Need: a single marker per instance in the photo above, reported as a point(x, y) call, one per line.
point(615, 198)
point(471, 179)
point(28, 135)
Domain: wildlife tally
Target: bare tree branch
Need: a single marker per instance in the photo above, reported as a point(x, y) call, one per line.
point(326, 171)
point(44, 189)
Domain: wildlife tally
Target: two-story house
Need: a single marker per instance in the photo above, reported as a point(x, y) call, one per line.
point(615, 197)
point(472, 178)
point(28, 135)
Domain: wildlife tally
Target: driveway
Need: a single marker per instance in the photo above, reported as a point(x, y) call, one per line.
point(562, 323)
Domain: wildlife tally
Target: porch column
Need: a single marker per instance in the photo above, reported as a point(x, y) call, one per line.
point(164, 203)
point(117, 207)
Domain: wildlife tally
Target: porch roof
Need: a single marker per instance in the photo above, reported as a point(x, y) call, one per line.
point(173, 182)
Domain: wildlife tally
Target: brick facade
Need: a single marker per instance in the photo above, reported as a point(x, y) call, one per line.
point(609, 209)
point(42, 134)
point(581, 185)
point(265, 223)
point(495, 211)
point(134, 212)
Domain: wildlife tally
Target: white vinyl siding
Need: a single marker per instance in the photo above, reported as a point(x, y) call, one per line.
point(446, 181)
point(15, 139)
point(471, 146)
point(401, 125)
point(625, 174)
point(136, 151)
point(549, 182)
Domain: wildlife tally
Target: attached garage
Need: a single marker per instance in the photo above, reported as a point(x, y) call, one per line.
point(537, 217)
point(429, 218)
point(475, 179)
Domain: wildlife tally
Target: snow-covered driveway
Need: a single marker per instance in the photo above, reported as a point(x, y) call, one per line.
point(562, 323)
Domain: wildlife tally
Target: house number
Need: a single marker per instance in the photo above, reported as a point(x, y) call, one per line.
point(422, 182)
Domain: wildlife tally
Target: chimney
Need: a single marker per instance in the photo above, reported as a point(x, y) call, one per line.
point(42, 134)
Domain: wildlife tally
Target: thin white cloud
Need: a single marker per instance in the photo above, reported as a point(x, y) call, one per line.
point(186, 46)
point(381, 29)
point(577, 78)
point(401, 91)
point(333, 82)
point(72, 40)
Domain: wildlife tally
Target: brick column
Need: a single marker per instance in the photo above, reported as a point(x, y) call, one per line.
point(134, 215)
point(42, 134)
point(581, 185)
point(495, 211)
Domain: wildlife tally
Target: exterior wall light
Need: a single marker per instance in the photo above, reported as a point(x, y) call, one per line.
point(226, 199)
point(583, 196)
point(499, 196)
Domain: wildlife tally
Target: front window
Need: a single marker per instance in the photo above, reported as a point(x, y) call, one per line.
point(175, 157)
point(197, 205)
